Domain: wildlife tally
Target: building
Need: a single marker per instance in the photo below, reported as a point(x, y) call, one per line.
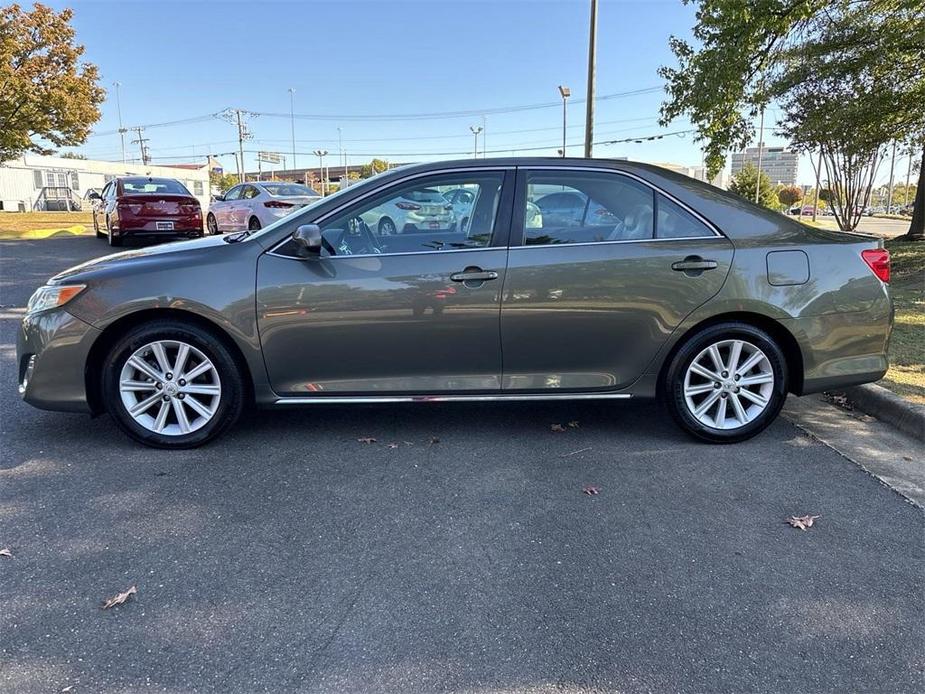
point(698, 172)
point(779, 164)
point(36, 182)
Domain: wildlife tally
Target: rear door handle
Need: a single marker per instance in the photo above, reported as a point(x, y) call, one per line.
point(474, 275)
point(694, 264)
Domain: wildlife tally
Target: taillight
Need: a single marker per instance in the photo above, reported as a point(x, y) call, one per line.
point(277, 203)
point(407, 206)
point(878, 260)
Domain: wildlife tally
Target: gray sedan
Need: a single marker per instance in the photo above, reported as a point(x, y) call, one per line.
point(664, 287)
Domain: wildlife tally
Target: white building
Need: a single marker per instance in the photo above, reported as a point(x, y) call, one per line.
point(698, 172)
point(778, 163)
point(35, 182)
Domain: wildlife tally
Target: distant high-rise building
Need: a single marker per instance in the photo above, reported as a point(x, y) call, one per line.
point(779, 164)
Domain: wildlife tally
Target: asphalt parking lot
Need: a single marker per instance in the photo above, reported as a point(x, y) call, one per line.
point(288, 556)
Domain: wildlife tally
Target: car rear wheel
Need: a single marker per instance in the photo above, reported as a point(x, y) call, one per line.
point(253, 224)
point(211, 224)
point(386, 227)
point(113, 240)
point(727, 383)
point(172, 385)
point(96, 228)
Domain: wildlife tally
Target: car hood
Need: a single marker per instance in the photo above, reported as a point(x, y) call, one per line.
point(142, 256)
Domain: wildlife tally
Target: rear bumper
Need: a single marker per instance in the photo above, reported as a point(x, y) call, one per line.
point(843, 349)
point(51, 353)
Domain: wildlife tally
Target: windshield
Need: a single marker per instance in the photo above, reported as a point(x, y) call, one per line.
point(153, 186)
point(288, 189)
point(424, 195)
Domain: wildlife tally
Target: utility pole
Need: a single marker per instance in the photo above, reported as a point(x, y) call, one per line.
point(889, 199)
point(908, 174)
point(760, 150)
point(592, 59)
point(818, 173)
point(292, 123)
point(340, 146)
point(236, 117)
point(484, 137)
point(566, 93)
point(476, 129)
point(140, 141)
point(122, 130)
point(240, 146)
point(320, 153)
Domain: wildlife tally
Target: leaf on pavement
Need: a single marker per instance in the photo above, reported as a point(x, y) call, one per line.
point(367, 439)
point(433, 440)
point(802, 522)
point(573, 424)
point(67, 688)
point(591, 490)
point(557, 428)
point(120, 598)
point(391, 445)
point(5, 552)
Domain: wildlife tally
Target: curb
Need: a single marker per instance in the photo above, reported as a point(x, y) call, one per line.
point(32, 234)
point(876, 400)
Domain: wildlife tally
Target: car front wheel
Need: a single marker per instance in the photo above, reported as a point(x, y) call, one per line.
point(211, 224)
point(168, 384)
point(727, 383)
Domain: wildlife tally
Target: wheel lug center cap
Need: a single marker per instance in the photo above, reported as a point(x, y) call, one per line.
point(171, 389)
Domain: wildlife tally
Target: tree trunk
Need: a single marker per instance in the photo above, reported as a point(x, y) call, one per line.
point(917, 227)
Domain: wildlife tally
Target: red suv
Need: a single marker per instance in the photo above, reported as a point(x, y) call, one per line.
point(141, 206)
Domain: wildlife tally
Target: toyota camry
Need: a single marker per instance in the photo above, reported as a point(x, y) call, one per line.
point(658, 286)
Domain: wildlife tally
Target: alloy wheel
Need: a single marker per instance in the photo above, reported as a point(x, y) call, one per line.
point(170, 387)
point(728, 384)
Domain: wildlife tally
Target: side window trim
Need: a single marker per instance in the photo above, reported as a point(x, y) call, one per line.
point(520, 201)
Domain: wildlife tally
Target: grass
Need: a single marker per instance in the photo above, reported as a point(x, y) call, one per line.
point(20, 222)
point(906, 376)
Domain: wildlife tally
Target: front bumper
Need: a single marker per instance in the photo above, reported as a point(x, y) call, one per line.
point(51, 354)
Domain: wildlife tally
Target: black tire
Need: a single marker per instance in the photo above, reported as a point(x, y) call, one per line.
point(211, 224)
point(231, 400)
point(96, 228)
point(673, 386)
point(115, 241)
point(253, 224)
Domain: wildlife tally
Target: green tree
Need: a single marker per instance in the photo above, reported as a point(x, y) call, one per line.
point(46, 93)
point(222, 181)
point(790, 195)
point(373, 167)
point(847, 73)
point(744, 182)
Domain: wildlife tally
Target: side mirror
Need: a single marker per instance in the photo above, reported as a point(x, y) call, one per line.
point(93, 195)
point(218, 198)
point(308, 236)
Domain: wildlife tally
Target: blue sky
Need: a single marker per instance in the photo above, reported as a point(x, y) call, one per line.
point(180, 61)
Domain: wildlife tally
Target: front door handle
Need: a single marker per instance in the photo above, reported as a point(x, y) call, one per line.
point(693, 265)
point(474, 274)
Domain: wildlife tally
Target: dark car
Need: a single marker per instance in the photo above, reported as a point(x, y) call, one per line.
point(663, 287)
point(144, 207)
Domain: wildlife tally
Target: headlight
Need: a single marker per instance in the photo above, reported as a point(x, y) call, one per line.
point(53, 296)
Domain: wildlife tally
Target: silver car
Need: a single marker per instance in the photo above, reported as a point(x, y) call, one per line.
point(421, 209)
point(681, 292)
point(257, 204)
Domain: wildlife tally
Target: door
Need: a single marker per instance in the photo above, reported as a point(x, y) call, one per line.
point(410, 313)
point(244, 209)
point(223, 210)
point(590, 297)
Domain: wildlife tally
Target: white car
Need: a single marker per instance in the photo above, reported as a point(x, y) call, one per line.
point(257, 204)
point(424, 209)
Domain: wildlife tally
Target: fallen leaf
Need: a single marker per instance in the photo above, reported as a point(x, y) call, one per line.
point(67, 688)
point(802, 522)
point(408, 443)
point(591, 490)
point(367, 439)
point(907, 457)
point(557, 428)
point(5, 552)
point(391, 445)
point(573, 424)
point(120, 598)
point(433, 440)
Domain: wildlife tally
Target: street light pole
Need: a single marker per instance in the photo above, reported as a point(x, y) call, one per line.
point(476, 129)
point(340, 145)
point(119, 110)
point(592, 59)
point(760, 149)
point(818, 173)
point(889, 199)
point(320, 153)
point(566, 93)
point(292, 122)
